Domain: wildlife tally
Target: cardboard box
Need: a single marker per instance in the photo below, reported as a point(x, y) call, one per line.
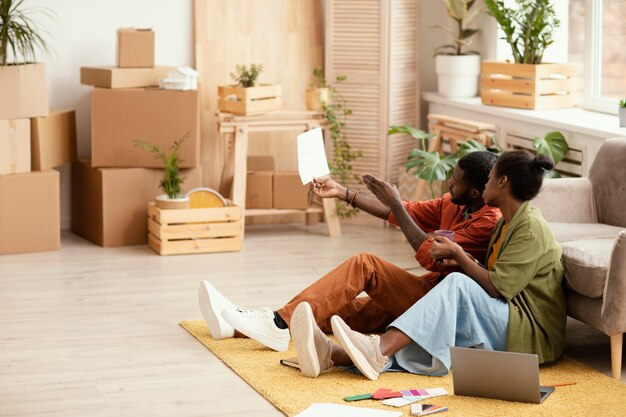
point(121, 116)
point(14, 146)
point(23, 91)
point(53, 139)
point(259, 182)
point(30, 212)
point(113, 77)
point(135, 48)
point(289, 193)
point(110, 205)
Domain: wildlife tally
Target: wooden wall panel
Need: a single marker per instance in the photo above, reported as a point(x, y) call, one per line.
point(286, 36)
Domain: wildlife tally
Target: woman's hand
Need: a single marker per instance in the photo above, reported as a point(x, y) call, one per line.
point(443, 248)
point(328, 188)
point(385, 192)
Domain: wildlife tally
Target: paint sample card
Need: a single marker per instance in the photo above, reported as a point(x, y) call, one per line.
point(312, 161)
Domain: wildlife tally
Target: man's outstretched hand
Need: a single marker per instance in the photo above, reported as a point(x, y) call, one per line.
point(328, 188)
point(385, 192)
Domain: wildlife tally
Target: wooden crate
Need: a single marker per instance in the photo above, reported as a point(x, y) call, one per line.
point(249, 101)
point(173, 232)
point(527, 86)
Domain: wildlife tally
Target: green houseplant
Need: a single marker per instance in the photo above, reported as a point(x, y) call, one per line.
point(528, 28)
point(434, 166)
point(172, 181)
point(456, 68)
point(248, 96)
point(622, 112)
point(318, 91)
point(20, 39)
point(336, 111)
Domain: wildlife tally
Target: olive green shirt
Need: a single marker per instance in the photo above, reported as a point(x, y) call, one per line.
point(528, 272)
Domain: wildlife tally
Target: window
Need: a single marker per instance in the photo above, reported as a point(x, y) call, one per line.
point(597, 46)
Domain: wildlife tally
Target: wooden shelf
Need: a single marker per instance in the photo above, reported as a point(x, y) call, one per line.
point(274, 212)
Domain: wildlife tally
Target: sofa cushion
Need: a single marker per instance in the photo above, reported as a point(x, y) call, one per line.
point(586, 264)
point(565, 232)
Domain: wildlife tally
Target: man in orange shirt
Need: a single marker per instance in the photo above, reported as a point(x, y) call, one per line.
point(391, 290)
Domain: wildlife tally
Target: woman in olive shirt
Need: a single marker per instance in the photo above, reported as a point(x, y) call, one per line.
point(516, 303)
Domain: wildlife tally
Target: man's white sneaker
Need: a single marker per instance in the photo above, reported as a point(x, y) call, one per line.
point(314, 349)
point(259, 325)
point(212, 304)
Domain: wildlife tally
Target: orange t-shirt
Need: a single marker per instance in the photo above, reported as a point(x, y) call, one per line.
point(473, 233)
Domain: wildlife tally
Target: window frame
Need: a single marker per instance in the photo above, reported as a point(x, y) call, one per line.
point(592, 89)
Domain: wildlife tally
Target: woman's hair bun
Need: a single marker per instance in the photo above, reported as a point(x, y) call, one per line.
point(543, 161)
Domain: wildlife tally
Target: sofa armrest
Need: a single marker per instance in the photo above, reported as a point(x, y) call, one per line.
point(566, 200)
point(614, 306)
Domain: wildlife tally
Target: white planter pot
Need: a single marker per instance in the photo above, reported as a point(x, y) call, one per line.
point(458, 75)
point(622, 117)
point(164, 202)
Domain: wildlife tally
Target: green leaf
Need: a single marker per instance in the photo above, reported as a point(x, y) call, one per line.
point(553, 144)
point(551, 174)
point(409, 130)
point(430, 166)
point(469, 147)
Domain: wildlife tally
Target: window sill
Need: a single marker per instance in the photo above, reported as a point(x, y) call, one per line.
point(572, 119)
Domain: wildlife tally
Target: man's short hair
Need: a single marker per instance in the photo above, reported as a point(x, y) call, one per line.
point(476, 167)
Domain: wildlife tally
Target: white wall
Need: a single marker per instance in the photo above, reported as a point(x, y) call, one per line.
point(433, 13)
point(83, 33)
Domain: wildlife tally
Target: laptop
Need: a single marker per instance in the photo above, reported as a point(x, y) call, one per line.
point(506, 376)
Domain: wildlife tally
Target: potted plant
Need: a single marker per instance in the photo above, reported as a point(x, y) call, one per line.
point(622, 112)
point(248, 97)
point(457, 69)
point(530, 83)
point(433, 166)
point(171, 182)
point(335, 110)
point(20, 38)
point(317, 92)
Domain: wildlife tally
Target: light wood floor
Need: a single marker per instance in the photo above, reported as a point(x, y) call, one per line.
point(89, 331)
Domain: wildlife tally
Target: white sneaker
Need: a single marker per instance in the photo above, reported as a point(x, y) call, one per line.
point(259, 325)
point(212, 304)
point(314, 349)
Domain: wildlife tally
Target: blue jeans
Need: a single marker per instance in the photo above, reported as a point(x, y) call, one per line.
point(457, 312)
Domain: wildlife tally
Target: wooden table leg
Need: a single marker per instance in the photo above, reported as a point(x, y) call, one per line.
point(240, 169)
point(331, 217)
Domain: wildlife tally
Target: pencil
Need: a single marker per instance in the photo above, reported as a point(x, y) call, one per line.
point(563, 384)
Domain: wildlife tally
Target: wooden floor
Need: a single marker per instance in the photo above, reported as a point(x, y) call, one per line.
point(89, 331)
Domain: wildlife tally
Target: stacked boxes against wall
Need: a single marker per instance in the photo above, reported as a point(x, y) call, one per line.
point(110, 192)
point(33, 141)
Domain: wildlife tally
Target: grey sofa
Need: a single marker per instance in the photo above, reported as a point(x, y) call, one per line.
point(588, 218)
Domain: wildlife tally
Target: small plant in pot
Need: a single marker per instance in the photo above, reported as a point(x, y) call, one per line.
point(458, 69)
point(20, 39)
point(248, 97)
point(318, 91)
point(622, 112)
point(172, 181)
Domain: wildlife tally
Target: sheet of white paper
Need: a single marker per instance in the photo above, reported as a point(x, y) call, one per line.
point(338, 410)
point(311, 155)
point(399, 401)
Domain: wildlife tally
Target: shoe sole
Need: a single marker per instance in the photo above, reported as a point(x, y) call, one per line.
point(357, 357)
point(270, 342)
point(210, 314)
point(302, 329)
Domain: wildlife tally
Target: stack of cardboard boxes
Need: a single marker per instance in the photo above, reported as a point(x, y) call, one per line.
point(33, 140)
point(111, 191)
point(267, 189)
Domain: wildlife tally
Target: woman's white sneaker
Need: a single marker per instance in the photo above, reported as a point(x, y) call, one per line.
point(314, 349)
point(212, 304)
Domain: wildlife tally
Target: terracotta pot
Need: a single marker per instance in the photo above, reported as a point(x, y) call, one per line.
point(315, 97)
point(164, 202)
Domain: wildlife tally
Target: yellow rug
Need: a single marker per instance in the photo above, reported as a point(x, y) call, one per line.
point(594, 394)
